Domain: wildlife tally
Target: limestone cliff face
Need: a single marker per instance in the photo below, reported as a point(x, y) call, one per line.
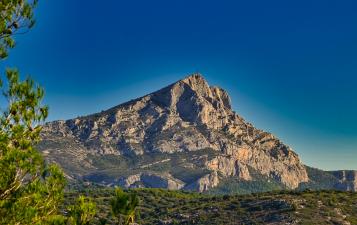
point(205, 183)
point(151, 180)
point(183, 118)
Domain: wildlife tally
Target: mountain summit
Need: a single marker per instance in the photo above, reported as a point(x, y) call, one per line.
point(184, 136)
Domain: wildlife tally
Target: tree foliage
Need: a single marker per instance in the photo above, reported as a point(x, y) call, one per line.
point(30, 191)
point(16, 17)
point(83, 212)
point(124, 206)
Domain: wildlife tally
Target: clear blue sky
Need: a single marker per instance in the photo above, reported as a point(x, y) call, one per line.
point(289, 66)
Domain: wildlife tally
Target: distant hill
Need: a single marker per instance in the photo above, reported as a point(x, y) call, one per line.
point(185, 136)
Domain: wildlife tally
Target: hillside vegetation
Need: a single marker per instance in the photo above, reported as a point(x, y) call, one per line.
point(159, 206)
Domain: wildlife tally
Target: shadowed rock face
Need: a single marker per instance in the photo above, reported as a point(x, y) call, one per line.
point(184, 118)
point(347, 180)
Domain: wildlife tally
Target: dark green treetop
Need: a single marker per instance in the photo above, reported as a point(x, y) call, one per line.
point(124, 206)
point(16, 17)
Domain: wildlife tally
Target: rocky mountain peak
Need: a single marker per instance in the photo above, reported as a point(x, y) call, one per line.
point(185, 135)
point(194, 100)
point(198, 84)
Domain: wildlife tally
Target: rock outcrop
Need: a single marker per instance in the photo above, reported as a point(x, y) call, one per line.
point(205, 183)
point(189, 118)
point(347, 180)
point(151, 180)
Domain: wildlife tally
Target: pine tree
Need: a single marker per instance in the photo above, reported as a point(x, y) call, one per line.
point(30, 190)
point(124, 206)
point(83, 212)
point(16, 17)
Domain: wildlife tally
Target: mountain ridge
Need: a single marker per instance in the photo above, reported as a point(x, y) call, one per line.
point(186, 132)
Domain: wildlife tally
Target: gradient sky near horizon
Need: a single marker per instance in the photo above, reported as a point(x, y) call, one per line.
point(290, 67)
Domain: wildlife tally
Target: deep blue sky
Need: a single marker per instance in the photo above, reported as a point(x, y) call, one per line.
point(289, 66)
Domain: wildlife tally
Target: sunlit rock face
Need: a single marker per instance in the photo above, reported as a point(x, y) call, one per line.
point(176, 124)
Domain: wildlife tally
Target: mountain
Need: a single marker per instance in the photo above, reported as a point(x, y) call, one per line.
point(184, 136)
